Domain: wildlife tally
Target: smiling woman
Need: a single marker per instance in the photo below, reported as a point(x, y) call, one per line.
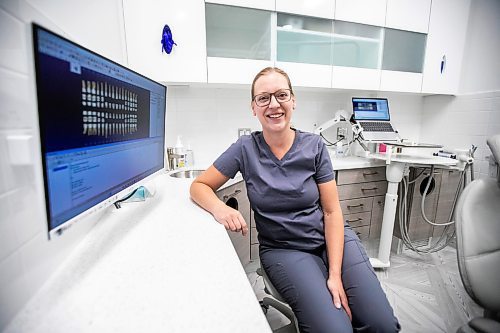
point(316, 263)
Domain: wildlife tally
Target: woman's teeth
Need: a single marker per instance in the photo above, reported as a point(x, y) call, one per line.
point(275, 115)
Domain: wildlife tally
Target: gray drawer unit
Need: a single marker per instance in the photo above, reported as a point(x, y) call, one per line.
point(361, 194)
point(362, 190)
point(356, 205)
point(358, 219)
point(365, 175)
point(362, 232)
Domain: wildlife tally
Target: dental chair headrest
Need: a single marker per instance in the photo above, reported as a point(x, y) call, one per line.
point(494, 144)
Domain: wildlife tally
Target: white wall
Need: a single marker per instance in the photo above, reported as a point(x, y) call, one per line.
point(208, 117)
point(473, 115)
point(481, 63)
point(27, 258)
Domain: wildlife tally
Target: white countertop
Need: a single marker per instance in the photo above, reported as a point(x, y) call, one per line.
point(353, 162)
point(160, 265)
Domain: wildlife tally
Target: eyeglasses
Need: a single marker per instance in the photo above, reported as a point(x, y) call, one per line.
point(282, 96)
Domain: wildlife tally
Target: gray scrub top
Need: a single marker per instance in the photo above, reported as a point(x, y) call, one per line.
point(283, 193)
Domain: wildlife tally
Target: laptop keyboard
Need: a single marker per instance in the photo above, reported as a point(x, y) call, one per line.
point(376, 126)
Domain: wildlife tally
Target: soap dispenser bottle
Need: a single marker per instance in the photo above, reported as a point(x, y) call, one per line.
point(179, 150)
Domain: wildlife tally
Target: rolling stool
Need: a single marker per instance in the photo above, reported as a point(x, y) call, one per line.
point(275, 300)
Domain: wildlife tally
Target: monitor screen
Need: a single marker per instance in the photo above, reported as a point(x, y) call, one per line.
point(370, 108)
point(102, 127)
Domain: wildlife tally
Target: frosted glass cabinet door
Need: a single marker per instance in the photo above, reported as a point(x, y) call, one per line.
point(304, 39)
point(236, 32)
point(315, 8)
point(357, 45)
point(403, 51)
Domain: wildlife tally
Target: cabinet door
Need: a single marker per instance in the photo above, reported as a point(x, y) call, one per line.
point(357, 56)
point(411, 15)
point(144, 22)
point(361, 11)
point(316, 8)
point(445, 46)
point(304, 49)
point(238, 43)
point(403, 60)
point(259, 4)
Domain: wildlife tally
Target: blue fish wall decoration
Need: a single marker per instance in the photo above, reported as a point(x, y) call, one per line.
point(167, 43)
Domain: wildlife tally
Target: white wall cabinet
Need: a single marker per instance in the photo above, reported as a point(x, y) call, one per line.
point(445, 46)
point(361, 11)
point(313, 8)
point(257, 4)
point(388, 45)
point(144, 22)
point(411, 15)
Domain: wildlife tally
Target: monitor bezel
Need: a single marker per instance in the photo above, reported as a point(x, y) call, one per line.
point(103, 204)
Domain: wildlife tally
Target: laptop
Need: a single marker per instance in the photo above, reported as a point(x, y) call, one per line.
point(372, 114)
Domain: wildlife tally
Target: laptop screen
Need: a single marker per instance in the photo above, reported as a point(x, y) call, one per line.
point(370, 108)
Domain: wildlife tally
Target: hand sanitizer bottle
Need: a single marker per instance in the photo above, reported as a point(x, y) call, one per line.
point(179, 150)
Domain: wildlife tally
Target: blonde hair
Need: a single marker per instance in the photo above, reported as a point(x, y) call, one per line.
point(269, 70)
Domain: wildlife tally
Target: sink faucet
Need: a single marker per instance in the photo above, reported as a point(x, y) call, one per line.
point(174, 161)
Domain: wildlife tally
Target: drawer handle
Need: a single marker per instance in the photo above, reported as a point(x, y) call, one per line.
point(354, 206)
point(370, 173)
point(369, 189)
point(356, 220)
point(224, 198)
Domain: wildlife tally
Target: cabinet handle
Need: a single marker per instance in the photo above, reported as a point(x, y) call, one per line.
point(354, 206)
point(369, 189)
point(224, 198)
point(356, 220)
point(370, 173)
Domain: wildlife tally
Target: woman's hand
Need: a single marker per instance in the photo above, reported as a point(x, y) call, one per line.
point(339, 297)
point(231, 219)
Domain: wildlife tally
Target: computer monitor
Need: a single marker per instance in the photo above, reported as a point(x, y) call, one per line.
point(102, 128)
point(370, 108)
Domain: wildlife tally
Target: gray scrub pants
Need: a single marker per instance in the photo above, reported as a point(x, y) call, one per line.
point(300, 277)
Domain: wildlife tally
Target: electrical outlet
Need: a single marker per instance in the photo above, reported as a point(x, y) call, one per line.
point(341, 133)
point(244, 131)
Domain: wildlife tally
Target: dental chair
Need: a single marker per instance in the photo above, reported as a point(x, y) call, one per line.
point(478, 246)
point(275, 300)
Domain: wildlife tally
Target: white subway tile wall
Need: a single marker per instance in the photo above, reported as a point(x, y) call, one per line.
point(460, 121)
point(207, 118)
